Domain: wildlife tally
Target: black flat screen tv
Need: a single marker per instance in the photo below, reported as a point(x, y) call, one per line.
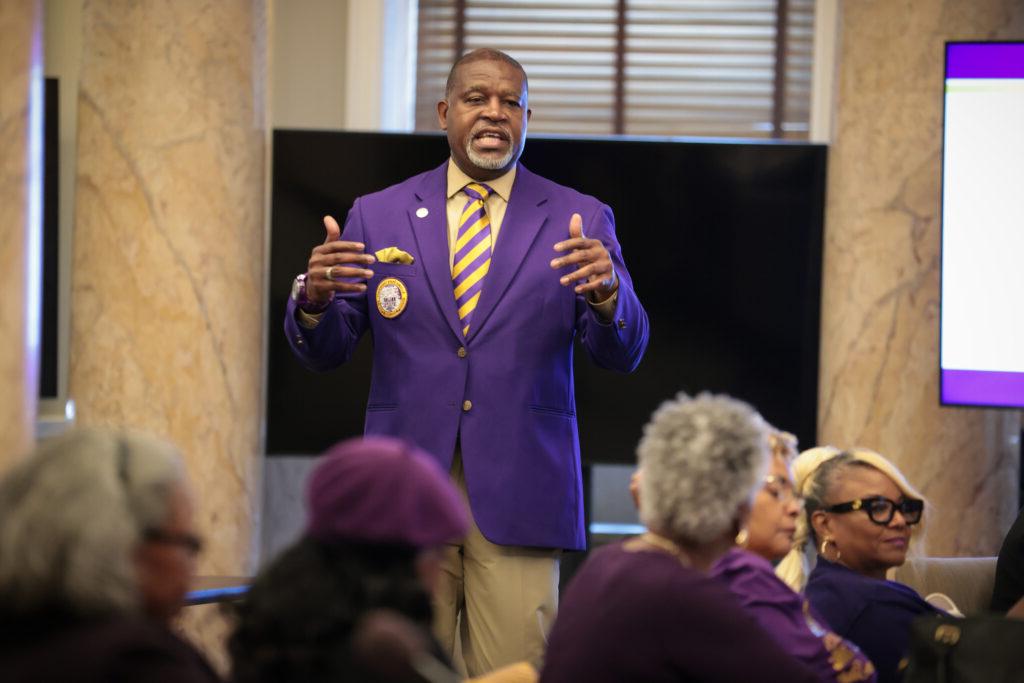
point(723, 241)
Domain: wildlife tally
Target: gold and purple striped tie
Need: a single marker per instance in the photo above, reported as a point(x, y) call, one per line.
point(472, 252)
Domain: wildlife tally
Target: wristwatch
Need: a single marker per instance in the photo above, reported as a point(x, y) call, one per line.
point(302, 301)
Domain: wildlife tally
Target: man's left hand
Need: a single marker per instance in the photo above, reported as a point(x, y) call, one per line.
point(594, 263)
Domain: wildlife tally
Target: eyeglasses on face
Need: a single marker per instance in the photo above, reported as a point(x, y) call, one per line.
point(881, 510)
point(190, 542)
point(780, 488)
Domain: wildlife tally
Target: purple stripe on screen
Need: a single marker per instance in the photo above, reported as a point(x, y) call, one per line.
point(985, 60)
point(978, 387)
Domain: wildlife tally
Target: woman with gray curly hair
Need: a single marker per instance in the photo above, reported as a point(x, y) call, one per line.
point(97, 550)
point(645, 609)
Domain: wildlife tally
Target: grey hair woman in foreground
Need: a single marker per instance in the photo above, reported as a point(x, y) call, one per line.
point(97, 550)
point(646, 609)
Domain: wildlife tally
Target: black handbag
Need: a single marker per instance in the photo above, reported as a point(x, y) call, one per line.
point(984, 649)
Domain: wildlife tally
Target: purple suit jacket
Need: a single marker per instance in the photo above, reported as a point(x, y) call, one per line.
point(517, 433)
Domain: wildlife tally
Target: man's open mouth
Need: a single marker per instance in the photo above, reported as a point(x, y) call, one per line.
point(490, 138)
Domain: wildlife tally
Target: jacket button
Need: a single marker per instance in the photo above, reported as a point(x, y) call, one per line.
point(299, 341)
point(466, 406)
point(461, 352)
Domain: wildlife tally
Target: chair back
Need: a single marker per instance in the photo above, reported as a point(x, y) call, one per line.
point(967, 581)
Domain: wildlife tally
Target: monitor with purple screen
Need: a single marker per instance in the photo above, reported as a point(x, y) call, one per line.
point(982, 310)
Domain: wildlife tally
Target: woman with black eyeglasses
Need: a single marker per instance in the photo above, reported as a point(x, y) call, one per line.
point(860, 513)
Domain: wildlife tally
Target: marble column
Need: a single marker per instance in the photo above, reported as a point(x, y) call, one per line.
point(21, 64)
point(168, 261)
point(880, 313)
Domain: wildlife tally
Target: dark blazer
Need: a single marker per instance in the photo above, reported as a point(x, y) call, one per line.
point(506, 391)
point(55, 649)
point(1009, 582)
point(873, 614)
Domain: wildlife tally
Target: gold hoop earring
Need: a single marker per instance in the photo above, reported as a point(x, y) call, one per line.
point(823, 550)
point(742, 537)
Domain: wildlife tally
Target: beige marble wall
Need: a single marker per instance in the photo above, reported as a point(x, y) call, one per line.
point(20, 62)
point(880, 315)
point(168, 256)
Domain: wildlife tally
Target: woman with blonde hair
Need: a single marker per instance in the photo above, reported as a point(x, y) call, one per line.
point(859, 513)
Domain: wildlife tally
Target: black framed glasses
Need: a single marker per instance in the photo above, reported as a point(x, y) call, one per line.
point(190, 542)
point(881, 510)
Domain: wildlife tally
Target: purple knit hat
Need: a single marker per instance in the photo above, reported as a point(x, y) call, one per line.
point(383, 490)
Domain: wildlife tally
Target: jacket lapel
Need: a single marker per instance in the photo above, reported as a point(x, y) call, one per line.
point(431, 233)
point(519, 229)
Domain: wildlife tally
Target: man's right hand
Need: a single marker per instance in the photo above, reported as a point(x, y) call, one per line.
point(338, 260)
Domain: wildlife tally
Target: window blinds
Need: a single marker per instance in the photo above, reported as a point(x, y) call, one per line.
point(640, 67)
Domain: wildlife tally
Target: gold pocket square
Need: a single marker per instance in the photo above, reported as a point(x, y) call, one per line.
point(394, 255)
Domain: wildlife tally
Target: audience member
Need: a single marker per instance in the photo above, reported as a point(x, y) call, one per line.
point(748, 571)
point(1009, 584)
point(645, 609)
point(861, 512)
point(378, 509)
point(97, 551)
point(351, 599)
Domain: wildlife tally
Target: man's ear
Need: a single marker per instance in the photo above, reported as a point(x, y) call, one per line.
point(442, 114)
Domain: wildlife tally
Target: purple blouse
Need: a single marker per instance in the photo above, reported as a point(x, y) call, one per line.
point(790, 619)
point(632, 613)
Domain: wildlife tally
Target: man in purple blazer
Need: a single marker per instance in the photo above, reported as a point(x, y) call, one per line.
point(473, 280)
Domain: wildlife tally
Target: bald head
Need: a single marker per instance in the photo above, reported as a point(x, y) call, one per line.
point(476, 56)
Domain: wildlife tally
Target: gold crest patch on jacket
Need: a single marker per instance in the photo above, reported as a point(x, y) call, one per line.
point(392, 297)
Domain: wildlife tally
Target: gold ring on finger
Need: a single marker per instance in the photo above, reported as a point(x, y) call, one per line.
point(330, 273)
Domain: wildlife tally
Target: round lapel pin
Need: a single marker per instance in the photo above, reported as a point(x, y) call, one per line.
point(392, 297)
point(422, 212)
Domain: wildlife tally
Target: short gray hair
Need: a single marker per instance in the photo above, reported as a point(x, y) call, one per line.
point(72, 513)
point(702, 458)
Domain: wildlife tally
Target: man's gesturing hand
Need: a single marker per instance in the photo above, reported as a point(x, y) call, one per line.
point(334, 260)
point(593, 261)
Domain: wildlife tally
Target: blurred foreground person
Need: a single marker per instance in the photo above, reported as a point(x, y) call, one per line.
point(860, 513)
point(97, 551)
point(1008, 588)
point(748, 571)
point(645, 609)
point(351, 599)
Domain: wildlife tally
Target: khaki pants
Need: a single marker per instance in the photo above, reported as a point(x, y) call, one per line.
point(500, 599)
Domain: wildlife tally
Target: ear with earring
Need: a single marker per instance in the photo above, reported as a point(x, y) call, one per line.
point(823, 550)
point(742, 537)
